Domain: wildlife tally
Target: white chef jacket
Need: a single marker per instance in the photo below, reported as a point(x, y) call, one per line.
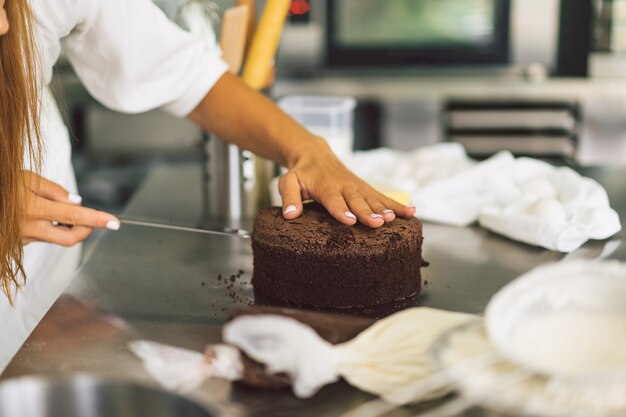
point(131, 58)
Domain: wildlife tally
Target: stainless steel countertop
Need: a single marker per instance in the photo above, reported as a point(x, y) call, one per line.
point(162, 285)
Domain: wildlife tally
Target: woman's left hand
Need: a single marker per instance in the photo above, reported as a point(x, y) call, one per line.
point(53, 215)
point(320, 176)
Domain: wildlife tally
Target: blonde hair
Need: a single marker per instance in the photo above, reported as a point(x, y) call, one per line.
point(19, 135)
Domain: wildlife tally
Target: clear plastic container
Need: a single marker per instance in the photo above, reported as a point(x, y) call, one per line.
point(330, 117)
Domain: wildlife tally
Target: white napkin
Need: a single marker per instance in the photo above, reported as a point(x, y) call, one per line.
point(522, 198)
point(184, 370)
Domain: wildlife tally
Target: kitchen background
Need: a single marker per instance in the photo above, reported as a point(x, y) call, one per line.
point(538, 77)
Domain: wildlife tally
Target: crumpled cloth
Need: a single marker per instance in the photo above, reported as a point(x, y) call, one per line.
point(524, 199)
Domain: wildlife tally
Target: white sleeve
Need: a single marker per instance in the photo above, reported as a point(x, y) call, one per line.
point(132, 58)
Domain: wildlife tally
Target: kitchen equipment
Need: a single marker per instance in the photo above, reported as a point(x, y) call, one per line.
point(559, 333)
point(565, 291)
point(530, 394)
point(233, 36)
point(259, 73)
point(231, 184)
point(539, 128)
point(371, 33)
point(260, 59)
point(227, 232)
point(251, 21)
point(228, 172)
point(229, 192)
point(331, 117)
point(235, 181)
point(88, 396)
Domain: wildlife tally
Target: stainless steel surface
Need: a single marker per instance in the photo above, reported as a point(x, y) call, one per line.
point(233, 233)
point(234, 182)
point(85, 396)
point(225, 196)
point(163, 285)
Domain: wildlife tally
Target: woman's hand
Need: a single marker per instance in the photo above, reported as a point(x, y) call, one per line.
point(317, 174)
point(236, 113)
point(53, 215)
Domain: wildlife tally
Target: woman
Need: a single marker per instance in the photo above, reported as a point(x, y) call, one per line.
point(131, 58)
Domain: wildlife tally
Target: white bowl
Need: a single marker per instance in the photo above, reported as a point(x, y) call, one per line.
point(553, 320)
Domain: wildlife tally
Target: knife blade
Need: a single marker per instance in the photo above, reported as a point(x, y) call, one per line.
point(233, 233)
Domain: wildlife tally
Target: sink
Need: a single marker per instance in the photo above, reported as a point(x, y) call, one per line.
point(88, 396)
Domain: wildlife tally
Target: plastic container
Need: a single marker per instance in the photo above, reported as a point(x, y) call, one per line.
point(331, 117)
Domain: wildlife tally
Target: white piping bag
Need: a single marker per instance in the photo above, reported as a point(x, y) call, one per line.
point(385, 357)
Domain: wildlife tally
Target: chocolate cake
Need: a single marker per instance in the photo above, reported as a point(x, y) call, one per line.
point(316, 262)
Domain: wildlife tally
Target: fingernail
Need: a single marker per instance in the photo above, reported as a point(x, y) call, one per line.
point(376, 216)
point(289, 209)
point(350, 214)
point(113, 225)
point(387, 211)
point(74, 198)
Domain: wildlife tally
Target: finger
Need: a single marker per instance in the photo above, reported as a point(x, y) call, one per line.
point(380, 208)
point(334, 202)
point(51, 190)
point(74, 215)
point(289, 188)
point(363, 212)
point(44, 231)
point(399, 209)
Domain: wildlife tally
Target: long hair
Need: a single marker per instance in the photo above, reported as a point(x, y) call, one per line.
point(19, 135)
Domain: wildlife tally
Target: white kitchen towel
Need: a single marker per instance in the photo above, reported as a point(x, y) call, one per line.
point(522, 198)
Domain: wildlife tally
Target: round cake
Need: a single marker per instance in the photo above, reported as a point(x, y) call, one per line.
point(315, 261)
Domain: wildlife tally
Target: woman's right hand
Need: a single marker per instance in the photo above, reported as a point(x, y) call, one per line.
point(55, 216)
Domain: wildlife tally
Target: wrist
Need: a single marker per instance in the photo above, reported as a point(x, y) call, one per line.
point(313, 147)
